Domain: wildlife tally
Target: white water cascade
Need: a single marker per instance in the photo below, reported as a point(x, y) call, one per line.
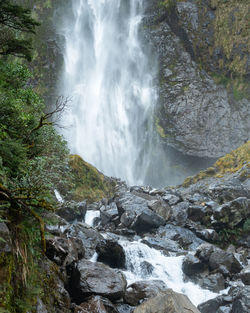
point(167, 269)
point(110, 80)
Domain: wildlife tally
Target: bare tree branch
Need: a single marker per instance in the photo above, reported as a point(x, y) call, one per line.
point(53, 117)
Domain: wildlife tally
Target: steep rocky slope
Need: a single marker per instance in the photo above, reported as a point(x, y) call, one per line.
point(203, 50)
point(205, 221)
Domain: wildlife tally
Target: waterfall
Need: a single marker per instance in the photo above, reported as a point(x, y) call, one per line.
point(110, 80)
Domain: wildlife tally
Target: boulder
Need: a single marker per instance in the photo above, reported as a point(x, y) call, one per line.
point(111, 253)
point(214, 305)
point(207, 234)
point(89, 278)
point(180, 213)
point(167, 301)
point(224, 309)
point(135, 214)
point(233, 213)
point(63, 250)
point(204, 251)
point(96, 304)
point(124, 308)
point(165, 244)
point(128, 202)
point(171, 199)
point(185, 237)
point(218, 259)
point(160, 207)
point(5, 239)
point(214, 282)
point(147, 221)
point(197, 213)
point(108, 213)
point(55, 295)
point(227, 190)
point(72, 210)
point(146, 268)
point(222, 258)
point(142, 290)
point(192, 266)
point(241, 303)
point(245, 275)
point(88, 235)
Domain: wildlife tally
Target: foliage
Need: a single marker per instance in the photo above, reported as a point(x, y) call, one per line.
point(89, 182)
point(14, 21)
point(230, 163)
point(33, 160)
point(231, 236)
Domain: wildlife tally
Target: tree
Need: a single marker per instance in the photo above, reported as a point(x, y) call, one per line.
point(14, 22)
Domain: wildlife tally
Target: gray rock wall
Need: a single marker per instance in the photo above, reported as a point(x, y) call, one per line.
point(194, 115)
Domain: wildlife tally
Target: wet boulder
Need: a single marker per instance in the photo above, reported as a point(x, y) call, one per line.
point(164, 244)
point(160, 207)
point(124, 308)
point(54, 284)
point(111, 253)
point(147, 221)
point(223, 191)
point(88, 235)
point(185, 237)
point(64, 250)
point(233, 213)
point(227, 259)
point(241, 303)
point(225, 262)
point(197, 213)
point(96, 304)
point(216, 305)
point(192, 266)
point(204, 251)
point(72, 210)
point(142, 290)
point(108, 213)
point(214, 282)
point(167, 301)
point(171, 199)
point(88, 278)
point(135, 214)
point(245, 275)
point(128, 202)
point(207, 234)
point(146, 268)
point(180, 213)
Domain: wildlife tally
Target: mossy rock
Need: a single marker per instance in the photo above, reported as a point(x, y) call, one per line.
point(89, 183)
point(230, 163)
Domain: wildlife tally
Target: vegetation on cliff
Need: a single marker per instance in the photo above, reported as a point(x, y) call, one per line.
point(34, 160)
point(230, 163)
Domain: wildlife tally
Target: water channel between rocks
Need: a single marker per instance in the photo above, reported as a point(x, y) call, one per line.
point(145, 263)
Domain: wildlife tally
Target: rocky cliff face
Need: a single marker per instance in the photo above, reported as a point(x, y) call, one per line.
point(203, 108)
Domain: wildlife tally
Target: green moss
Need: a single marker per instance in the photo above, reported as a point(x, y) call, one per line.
point(167, 4)
point(238, 86)
point(6, 289)
point(89, 182)
point(230, 163)
point(231, 26)
point(159, 128)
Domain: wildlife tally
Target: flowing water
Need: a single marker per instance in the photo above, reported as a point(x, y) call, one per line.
point(109, 76)
point(145, 263)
